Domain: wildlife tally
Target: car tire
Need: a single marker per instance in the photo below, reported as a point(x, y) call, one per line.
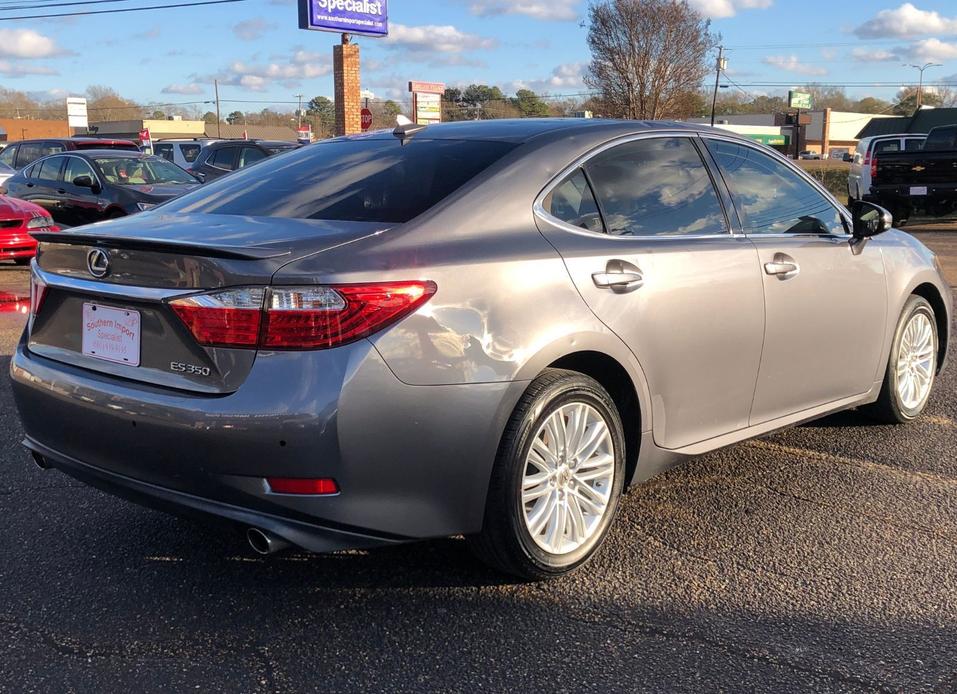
point(911, 366)
point(115, 214)
point(576, 519)
point(22, 261)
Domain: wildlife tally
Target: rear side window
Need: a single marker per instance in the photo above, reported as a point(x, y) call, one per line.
point(49, 169)
point(573, 202)
point(363, 180)
point(189, 152)
point(885, 146)
point(656, 187)
point(250, 155)
point(223, 158)
point(7, 156)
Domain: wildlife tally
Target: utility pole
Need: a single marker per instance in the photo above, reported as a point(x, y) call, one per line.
point(719, 66)
point(920, 83)
point(219, 121)
point(299, 113)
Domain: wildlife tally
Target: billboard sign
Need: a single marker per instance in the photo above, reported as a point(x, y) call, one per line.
point(76, 112)
point(799, 100)
point(426, 101)
point(365, 17)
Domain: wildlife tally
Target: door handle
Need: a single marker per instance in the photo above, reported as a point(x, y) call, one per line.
point(61, 191)
point(783, 266)
point(618, 281)
point(29, 185)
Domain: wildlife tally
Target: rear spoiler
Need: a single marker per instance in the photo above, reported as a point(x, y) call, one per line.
point(159, 245)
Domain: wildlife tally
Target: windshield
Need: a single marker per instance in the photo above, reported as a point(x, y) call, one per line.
point(131, 171)
point(362, 180)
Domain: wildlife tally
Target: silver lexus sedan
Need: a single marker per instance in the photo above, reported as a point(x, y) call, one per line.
point(486, 328)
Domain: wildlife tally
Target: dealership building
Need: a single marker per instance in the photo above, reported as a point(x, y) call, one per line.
point(829, 132)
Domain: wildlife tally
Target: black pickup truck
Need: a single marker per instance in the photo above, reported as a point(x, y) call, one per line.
point(919, 183)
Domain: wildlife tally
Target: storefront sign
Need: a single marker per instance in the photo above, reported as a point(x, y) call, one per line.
point(366, 17)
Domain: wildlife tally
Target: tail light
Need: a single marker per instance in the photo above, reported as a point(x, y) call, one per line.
point(296, 318)
point(873, 168)
point(302, 485)
point(867, 158)
point(38, 292)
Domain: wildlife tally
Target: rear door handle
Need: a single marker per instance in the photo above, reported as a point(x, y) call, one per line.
point(618, 281)
point(61, 191)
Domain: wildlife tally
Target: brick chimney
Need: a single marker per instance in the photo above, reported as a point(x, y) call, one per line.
point(345, 65)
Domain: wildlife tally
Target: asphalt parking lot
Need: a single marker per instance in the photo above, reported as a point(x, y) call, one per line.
point(823, 558)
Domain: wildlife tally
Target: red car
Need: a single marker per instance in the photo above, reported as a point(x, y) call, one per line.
point(18, 218)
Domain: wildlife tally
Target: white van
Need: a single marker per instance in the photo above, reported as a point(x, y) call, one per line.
point(859, 178)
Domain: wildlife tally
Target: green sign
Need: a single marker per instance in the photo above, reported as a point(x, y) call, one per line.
point(799, 100)
point(774, 140)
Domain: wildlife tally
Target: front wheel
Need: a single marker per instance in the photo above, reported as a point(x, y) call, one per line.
point(557, 478)
point(912, 366)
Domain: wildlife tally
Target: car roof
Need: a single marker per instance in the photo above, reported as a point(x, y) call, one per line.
point(106, 154)
point(523, 129)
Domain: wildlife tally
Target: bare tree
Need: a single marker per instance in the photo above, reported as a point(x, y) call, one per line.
point(649, 57)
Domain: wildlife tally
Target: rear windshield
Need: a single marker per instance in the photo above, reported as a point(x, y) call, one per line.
point(128, 146)
point(352, 180)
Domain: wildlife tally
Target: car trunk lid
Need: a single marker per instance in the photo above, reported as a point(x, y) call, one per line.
point(150, 264)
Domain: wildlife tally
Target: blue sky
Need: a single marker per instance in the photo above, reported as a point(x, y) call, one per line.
point(259, 54)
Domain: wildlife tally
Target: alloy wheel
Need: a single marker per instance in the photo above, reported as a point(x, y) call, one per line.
point(915, 361)
point(568, 478)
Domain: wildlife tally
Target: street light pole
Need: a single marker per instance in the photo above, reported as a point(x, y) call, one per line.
point(299, 113)
point(719, 66)
point(920, 82)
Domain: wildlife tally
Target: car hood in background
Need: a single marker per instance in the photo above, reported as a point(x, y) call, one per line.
point(14, 208)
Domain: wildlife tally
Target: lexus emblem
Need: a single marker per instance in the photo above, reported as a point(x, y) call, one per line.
point(98, 262)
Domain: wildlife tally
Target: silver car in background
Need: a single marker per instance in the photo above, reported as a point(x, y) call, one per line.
point(483, 328)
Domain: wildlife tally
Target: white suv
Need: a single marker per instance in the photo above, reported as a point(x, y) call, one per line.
point(859, 178)
point(181, 152)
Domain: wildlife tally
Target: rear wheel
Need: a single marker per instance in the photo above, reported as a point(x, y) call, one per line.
point(557, 479)
point(912, 365)
point(22, 261)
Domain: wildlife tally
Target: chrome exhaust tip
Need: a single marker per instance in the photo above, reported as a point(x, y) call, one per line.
point(40, 461)
point(264, 542)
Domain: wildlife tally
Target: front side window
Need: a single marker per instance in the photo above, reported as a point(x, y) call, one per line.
point(656, 187)
point(189, 152)
point(573, 202)
point(363, 180)
point(770, 197)
point(135, 170)
point(76, 167)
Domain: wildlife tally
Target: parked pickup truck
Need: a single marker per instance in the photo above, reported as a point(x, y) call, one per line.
point(922, 182)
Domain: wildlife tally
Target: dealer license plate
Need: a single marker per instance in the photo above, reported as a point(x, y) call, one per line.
point(112, 334)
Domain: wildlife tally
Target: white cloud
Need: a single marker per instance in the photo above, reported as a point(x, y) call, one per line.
point(191, 89)
point(12, 69)
point(932, 50)
point(252, 29)
point(906, 20)
point(792, 64)
point(441, 38)
point(864, 55)
point(567, 76)
point(556, 10)
point(288, 72)
point(719, 9)
point(26, 43)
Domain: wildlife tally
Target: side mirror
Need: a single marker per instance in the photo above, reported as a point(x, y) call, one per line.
point(848, 157)
point(870, 219)
point(83, 181)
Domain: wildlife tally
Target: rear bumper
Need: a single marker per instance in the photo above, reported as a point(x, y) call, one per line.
point(310, 536)
point(411, 461)
point(19, 245)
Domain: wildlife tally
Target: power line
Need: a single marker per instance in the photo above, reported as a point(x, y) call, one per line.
point(10, 5)
point(121, 9)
